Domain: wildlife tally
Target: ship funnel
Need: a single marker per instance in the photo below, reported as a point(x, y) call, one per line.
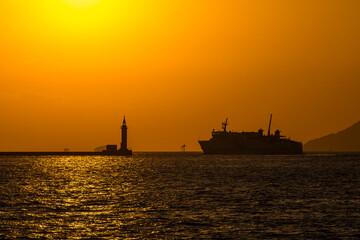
point(269, 125)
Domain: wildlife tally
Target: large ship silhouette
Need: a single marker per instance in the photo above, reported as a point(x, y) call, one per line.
point(227, 142)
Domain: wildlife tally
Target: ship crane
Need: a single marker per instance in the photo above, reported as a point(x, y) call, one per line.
point(224, 125)
point(183, 148)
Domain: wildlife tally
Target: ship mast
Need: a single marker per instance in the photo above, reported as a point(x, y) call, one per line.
point(224, 124)
point(269, 125)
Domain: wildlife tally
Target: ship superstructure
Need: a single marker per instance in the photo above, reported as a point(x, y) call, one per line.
point(228, 142)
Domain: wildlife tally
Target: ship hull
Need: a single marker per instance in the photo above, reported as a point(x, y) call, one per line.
point(249, 147)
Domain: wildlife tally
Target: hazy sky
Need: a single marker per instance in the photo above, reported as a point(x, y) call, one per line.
point(70, 70)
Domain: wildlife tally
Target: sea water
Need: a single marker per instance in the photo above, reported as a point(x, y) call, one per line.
point(180, 196)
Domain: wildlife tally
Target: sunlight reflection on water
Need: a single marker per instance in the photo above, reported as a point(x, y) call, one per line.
point(173, 195)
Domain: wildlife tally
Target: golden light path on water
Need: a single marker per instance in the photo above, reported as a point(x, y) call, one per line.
point(175, 195)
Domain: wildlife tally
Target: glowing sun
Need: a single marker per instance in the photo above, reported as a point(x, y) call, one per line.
point(82, 3)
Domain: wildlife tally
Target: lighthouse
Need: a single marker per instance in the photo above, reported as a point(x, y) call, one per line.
point(123, 136)
point(123, 146)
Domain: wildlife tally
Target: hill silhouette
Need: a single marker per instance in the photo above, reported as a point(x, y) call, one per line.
point(100, 149)
point(347, 140)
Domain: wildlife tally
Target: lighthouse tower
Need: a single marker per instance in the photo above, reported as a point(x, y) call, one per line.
point(123, 146)
point(123, 136)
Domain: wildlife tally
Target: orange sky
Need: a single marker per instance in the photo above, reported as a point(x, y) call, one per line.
point(70, 69)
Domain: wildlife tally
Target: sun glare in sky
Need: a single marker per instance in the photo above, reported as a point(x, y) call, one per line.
point(71, 69)
point(82, 3)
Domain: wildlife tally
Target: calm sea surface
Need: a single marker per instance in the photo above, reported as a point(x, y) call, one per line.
point(180, 196)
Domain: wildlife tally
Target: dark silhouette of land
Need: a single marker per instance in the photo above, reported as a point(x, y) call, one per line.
point(100, 149)
point(108, 150)
point(63, 153)
point(347, 140)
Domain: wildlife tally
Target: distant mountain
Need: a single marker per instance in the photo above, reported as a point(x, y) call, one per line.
point(344, 141)
point(100, 149)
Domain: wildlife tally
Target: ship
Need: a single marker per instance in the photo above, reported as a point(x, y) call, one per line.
point(228, 142)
